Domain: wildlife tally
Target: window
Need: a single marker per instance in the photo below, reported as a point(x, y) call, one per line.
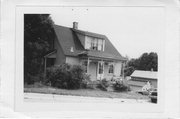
point(101, 68)
point(88, 42)
point(94, 43)
point(100, 45)
point(111, 69)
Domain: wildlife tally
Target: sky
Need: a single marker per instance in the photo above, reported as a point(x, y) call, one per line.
point(132, 30)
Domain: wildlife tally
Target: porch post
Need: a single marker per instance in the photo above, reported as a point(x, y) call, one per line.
point(88, 66)
point(123, 69)
point(45, 67)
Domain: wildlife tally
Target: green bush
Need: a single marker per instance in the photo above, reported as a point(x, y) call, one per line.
point(66, 76)
point(120, 86)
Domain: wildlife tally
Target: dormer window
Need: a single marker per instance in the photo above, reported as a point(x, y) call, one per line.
point(94, 43)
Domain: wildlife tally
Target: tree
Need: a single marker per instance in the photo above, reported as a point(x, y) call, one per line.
point(147, 62)
point(38, 40)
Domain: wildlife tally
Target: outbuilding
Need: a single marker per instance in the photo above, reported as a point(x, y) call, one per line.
point(140, 78)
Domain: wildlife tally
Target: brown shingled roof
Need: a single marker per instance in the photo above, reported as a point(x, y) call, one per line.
point(67, 38)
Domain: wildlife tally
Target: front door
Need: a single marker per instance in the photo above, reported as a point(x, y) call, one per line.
point(100, 70)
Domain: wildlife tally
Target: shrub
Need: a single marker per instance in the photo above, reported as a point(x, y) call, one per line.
point(66, 76)
point(86, 82)
point(76, 77)
point(103, 84)
point(120, 86)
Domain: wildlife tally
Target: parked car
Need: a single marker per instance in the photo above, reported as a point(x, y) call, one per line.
point(153, 96)
point(143, 92)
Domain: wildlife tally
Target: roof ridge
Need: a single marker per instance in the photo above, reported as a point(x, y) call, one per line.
point(60, 26)
point(146, 70)
point(79, 30)
point(88, 32)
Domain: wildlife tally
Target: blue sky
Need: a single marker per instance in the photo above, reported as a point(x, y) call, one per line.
point(132, 30)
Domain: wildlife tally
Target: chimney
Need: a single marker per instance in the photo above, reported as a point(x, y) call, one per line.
point(75, 25)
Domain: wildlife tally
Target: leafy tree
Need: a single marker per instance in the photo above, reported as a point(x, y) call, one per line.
point(38, 40)
point(147, 62)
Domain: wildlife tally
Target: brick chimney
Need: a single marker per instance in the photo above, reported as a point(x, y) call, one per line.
point(75, 25)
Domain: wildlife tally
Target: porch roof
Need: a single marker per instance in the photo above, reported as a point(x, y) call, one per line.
point(51, 54)
point(145, 74)
point(101, 55)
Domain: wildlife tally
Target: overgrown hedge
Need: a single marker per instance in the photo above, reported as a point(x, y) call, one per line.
point(67, 76)
point(117, 85)
point(120, 86)
point(103, 84)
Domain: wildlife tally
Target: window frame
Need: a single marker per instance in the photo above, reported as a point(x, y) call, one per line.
point(95, 44)
point(109, 66)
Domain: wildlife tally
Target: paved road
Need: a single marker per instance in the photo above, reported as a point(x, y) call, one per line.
point(36, 97)
point(7, 112)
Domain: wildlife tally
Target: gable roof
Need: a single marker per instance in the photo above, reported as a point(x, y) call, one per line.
point(67, 37)
point(144, 74)
point(52, 54)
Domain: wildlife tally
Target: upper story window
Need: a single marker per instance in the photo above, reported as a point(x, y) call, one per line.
point(94, 44)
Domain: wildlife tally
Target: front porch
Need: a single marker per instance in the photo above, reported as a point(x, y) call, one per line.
point(99, 68)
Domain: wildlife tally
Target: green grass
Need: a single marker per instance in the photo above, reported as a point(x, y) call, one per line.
point(84, 92)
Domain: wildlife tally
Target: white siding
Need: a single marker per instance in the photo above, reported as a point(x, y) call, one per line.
point(87, 42)
point(93, 71)
point(103, 44)
point(106, 74)
point(117, 68)
point(72, 60)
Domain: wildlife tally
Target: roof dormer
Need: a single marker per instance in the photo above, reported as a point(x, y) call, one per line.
point(89, 40)
point(92, 43)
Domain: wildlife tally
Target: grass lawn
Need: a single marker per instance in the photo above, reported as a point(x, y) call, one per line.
point(84, 92)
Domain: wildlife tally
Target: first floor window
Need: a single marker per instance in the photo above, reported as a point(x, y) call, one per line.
point(101, 68)
point(111, 69)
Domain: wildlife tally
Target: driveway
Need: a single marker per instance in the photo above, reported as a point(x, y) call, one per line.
point(36, 97)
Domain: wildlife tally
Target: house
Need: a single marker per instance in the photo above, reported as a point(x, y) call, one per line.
point(94, 51)
point(140, 78)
